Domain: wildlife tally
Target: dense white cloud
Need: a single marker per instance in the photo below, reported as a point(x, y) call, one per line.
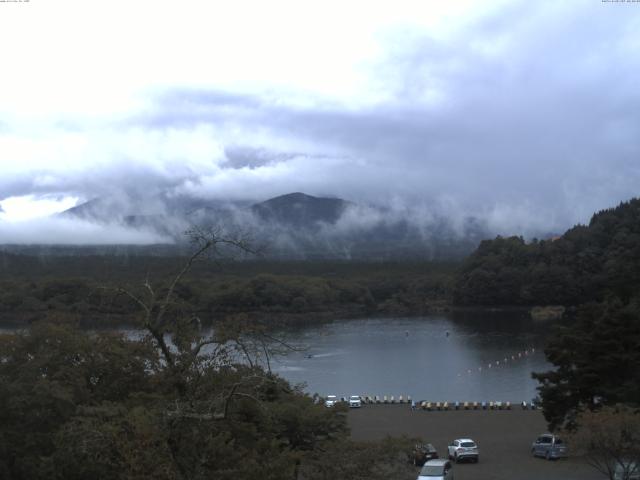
point(65, 231)
point(525, 114)
point(30, 207)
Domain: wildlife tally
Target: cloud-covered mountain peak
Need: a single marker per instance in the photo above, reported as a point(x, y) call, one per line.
point(300, 210)
point(298, 225)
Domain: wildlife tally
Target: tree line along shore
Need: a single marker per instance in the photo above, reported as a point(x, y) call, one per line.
point(78, 404)
point(589, 263)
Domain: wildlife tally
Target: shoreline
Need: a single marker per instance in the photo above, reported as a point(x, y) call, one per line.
point(106, 320)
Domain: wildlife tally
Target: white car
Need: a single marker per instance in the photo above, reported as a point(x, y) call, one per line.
point(330, 401)
point(462, 449)
point(355, 401)
point(436, 470)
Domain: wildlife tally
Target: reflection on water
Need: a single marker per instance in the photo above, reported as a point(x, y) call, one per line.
point(454, 358)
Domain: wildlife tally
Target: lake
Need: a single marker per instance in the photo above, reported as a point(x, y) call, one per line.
point(453, 357)
point(469, 356)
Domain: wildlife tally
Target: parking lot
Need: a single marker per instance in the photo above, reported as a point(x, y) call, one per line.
point(503, 436)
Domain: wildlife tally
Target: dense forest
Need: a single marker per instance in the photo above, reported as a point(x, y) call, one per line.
point(596, 360)
point(180, 402)
point(595, 270)
point(76, 406)
point(585, 264)
point(31, 287)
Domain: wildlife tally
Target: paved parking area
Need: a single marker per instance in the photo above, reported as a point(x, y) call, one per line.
point(504, 438)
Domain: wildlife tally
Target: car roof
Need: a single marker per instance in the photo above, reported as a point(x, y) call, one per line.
point(464, 440)
point(437, 461)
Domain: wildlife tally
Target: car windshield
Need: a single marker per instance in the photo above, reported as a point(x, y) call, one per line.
point(426, 447)
point(355, 397)
point(467, 444)
point(432, 471)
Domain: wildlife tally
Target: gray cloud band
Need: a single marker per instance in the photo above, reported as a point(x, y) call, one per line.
point(528, 120)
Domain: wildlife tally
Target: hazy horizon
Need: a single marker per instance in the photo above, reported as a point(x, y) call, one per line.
point(524, 115)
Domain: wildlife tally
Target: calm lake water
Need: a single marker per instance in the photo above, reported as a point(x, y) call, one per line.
point(436, 358)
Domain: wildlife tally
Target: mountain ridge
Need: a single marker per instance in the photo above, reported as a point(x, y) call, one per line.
point(299, 226)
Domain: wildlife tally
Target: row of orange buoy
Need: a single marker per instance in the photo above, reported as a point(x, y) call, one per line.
point(504, 361)
point(440, 406)
point(384, 399)
point(434, 406)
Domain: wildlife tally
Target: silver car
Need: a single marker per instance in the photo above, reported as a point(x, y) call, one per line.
point(463, 449)
point(330, 401)
point(627, 470)
point(549, 446)
point(436, 470)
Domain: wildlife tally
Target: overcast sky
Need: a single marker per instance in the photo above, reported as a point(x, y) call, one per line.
point(525, 113)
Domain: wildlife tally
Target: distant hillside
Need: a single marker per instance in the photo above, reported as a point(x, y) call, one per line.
point(300, 210)
point(584, 264)
point(299, 226)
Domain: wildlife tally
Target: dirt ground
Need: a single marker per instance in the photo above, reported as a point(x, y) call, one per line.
point(503, 436)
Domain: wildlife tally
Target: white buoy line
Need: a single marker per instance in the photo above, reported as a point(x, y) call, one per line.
point(504, 361)
point(440, 406)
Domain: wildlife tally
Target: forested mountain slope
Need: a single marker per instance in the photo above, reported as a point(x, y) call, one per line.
point(584, 264)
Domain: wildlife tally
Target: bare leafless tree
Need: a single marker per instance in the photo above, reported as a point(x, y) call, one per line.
point(187, 351)
point(609, 440)
point(155, 303)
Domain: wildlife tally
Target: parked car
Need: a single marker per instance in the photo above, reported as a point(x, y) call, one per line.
point(627, 470)
point(422, 453)
point(549, 446)
point(463, 449)
point(330, 401)
point(436, 470)
point(355, 401)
